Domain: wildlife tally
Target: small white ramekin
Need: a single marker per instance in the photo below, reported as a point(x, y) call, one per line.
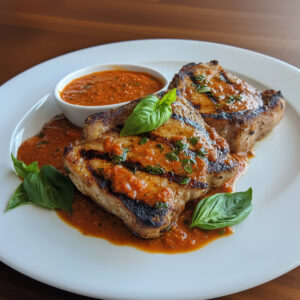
point(78, 113)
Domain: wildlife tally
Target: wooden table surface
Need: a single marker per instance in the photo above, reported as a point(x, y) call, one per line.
point(34, 31)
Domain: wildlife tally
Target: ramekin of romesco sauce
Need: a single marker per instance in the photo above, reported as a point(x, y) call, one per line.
point(110, 87)
point(101, 88)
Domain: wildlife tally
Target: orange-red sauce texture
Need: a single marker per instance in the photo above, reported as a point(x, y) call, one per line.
point(47, 148)
point(110, 87)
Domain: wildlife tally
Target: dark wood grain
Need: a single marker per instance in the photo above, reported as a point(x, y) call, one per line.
point(33, 31)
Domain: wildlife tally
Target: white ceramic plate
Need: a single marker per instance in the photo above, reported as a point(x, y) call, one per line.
point(37, 243)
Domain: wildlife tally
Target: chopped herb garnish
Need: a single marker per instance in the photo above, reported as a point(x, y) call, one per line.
point(181, 146)
point(185, 180)
point(172, 156)
point(185, 161)
point(155, 170)
point(143, 140)
point(43, 143)
point(188, 169)
point(193, 140)
point(200, 77)
point(136, 83)
point(160, 146)
point(201, 153)
point(221, 78)
point(118, 159)
point(162, 205)
point(88, 86)
point(233, 99)
point(201, 89)
point(188, 161)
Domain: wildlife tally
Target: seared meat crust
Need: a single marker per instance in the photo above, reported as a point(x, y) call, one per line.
point(237, 111)
point(148, 202)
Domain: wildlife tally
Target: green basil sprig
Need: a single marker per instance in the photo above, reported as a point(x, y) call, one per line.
point(46, 187)
point(221, 210)
point(150, 113)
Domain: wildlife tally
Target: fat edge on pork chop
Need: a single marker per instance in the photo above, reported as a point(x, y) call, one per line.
point(238, 112)
point(146, 180)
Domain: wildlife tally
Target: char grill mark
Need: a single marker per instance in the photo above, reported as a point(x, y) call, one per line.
point(188, 122)
point(97, 178)
point(241, 123)
point(218, 167)
point(209, 95)
point(225, 78)
point(148, 215)
point(136, 166)
point(241, 117)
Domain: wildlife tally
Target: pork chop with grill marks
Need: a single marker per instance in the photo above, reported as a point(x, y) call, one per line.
point(238, 112)
point(146, 180)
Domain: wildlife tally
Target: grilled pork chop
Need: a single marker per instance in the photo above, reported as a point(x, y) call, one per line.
point(146, 180)
point(237, 111)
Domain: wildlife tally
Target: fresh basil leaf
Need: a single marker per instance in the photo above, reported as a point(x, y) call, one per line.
point(149, 114)
point(168, 98)
point(22, 169)
point(62, 184)
point(49, 188)
point(19, 197)
point(221, 210)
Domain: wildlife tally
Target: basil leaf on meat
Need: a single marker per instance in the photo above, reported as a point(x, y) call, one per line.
point(221, 210)
point(149, 114)
point(19, 197)
point(22, 169)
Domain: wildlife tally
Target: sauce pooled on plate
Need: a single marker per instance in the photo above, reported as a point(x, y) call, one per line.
point(47, 148)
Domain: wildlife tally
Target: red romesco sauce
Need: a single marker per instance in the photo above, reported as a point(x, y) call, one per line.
point(110, 87)
point(47, 148)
